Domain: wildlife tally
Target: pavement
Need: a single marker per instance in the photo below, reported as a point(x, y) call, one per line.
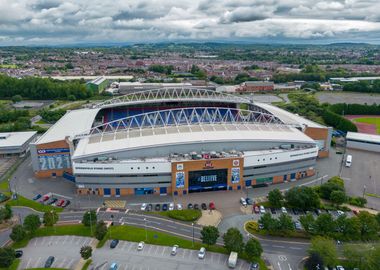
point(363, 176)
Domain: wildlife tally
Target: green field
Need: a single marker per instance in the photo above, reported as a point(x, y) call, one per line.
point(370, 120)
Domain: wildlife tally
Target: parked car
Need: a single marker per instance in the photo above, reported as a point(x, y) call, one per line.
point(356, 212)
point(149, 207)
point(171, 206)
point(114, 266)
point(262, 209)
point(35, 198)
point(66, 203)
point(256, 209)
point(339, 267)
point(60, 203)
point(157, 207)
point(140, 246)
point(143, 207)
point(174, 250)
point(196, 206)
point(45, 198)
point(273, 211)
point(283, 210)
point(339, 213)
point(261, 226)
point(165, 207)
point(297, 225)
point(211, 206)
point(243, 202)
point(18, 253)
point(202, 253)
point(295, 211)
point(254, 266)
point(114, 243)
point(52, 201)
point(249, 201)
point(190, 206)
point(49, 262)
point(204, 206)
point(179, 206)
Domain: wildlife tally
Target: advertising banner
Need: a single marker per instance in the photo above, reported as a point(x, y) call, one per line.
point(235, 175)
point(180, 180)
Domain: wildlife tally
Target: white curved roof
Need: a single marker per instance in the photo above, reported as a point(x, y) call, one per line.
point(174, 135)
point(171, 94)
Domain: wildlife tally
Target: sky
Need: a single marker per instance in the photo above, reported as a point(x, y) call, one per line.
point(56, 22)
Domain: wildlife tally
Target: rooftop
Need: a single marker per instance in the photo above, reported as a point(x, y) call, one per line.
point(288, 117)
point(177, 135)
point(15, 139)
point(363, 137)
point(72, 123)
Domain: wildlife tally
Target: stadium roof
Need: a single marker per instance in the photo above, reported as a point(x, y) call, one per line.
point(15, 139)
point(72, 123)
point(288, 117)
point(177, 135)
point(363, 137)
point(172, 94)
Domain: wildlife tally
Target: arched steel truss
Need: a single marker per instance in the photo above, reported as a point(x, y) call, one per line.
point(172, 94)
point(183, 117)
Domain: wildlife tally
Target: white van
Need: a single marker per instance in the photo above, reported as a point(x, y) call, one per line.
point(232, 260)
point(348, 161)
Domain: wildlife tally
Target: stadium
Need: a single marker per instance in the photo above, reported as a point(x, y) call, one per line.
point(178, 141)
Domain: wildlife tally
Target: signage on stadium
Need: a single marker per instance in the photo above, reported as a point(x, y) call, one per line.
point(53, 150)
point(208, 165)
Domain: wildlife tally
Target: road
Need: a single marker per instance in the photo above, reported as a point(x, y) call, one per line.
point(283, 254)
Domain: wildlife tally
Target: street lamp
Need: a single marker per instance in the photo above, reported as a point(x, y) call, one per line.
point(192, 225)
point(146, 232)
point(364, 188)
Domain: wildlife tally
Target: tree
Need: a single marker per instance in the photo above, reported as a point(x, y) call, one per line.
point(32, 223)
point(209, 235)
point(86, 252)
point(348, 228)
point(326, 249)
point(5, 212)
point(253, 249)
point(302, 197)
point(307, 222)
point(357, 255)
point(368, 226)
point(268, 222)
point(324, 224)
point(18, 233)
point(16, 98)
point(7, 256)
point(338, 197)
point(275, 197)
point(100, 230)
point(314, 262)
point(285, 222)
point(50, 218)
point(89, 218)
point(378, 218)
point(233, 240)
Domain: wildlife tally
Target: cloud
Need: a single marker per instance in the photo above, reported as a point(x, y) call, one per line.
point(52, 22)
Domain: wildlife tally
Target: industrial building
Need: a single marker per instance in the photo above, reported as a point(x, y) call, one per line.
point(97, 85)
point(363, 141)
point(255, 86)
point(16, 144)
point(178, 141)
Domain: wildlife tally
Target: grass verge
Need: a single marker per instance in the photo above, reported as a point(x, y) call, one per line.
point(13, 266)
point(87, 264)
point(183, 215)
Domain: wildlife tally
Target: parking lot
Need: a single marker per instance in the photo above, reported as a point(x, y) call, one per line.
point(65, 249)
point(363, 176)
point(154, 257)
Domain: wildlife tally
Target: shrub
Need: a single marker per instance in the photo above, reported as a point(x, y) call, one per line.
point(357, 201)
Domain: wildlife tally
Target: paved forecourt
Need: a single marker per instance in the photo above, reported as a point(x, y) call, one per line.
point(154, 257)
point(65, 249)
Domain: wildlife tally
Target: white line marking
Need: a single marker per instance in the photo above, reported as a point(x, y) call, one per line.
point(289, 266)
point(278, 246)
point(37, 263)
point(279, 265)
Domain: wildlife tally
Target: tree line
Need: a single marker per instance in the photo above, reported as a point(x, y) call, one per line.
point(355, 109)
point(42, 88)
point(363, 86)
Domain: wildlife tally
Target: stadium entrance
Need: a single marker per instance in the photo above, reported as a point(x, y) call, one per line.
point(208, 180)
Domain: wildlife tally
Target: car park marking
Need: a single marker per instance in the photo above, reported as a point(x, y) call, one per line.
point(296, 248)
point(62, 264)
point(70, 263)
point(276, 246)
point(170, 226)
point(163, 251)
point(38, 262)
point(27, 264)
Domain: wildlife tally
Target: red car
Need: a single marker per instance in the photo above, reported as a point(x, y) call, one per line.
point(45, 198)
point(60, 203)
point(356, 212)
point(211, 206)
point(257, 209)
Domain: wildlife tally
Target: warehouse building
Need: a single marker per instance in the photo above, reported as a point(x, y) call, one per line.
point(16, 144)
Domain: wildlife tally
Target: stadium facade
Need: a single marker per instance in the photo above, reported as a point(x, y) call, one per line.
point(178, 141)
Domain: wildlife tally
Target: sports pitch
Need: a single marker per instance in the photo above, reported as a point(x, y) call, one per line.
point(370, 120)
